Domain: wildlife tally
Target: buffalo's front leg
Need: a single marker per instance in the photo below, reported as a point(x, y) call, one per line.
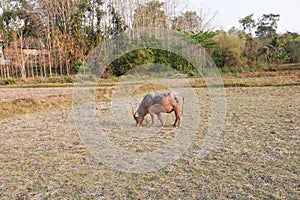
point(160, 119)
point(152, 118)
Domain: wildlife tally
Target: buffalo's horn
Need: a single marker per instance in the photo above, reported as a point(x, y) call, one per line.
point(132, 110)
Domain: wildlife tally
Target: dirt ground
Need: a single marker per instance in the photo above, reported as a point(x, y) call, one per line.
point(256, 156)
point(10, 94)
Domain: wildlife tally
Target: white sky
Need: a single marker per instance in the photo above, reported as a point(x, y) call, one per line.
point(230, 11)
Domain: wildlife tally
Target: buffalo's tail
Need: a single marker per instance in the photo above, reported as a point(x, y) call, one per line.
point(182, 104)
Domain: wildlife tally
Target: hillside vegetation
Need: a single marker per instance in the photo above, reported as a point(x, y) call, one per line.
point(53, 38)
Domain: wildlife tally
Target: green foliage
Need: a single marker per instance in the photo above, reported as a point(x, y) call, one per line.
point(146, 56)
point(218, 56)
point(146, 41)
point(232, 52)
point(149, 50)
point(9, 81)
point(82, 67)
point(291, 44)
point(205, 38)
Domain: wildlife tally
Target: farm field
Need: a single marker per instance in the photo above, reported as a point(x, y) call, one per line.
point(257, 156)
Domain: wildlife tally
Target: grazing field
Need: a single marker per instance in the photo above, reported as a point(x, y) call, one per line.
point(256, 157)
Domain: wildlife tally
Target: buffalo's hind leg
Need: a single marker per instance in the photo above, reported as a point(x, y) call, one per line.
point(178, 118)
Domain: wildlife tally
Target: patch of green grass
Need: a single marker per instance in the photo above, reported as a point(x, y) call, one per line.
point(9, 81)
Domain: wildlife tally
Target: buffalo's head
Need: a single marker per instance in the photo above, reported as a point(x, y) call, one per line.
point(138, 118)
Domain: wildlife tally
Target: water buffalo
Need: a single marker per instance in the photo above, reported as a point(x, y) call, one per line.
point(157, 102)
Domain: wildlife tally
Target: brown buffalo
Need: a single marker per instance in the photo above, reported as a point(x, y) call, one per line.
point(158, 102)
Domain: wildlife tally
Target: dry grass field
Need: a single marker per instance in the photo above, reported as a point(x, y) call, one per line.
point(256, 157)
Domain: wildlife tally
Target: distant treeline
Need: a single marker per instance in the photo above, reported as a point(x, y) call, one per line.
point(45, 38)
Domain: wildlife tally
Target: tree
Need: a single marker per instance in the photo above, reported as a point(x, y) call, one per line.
point(150, 15)
point(118, 24)
point(17, 23)
point(205, 38)
point(292, 45)
point(187, 22)
point(248, 23)
point(267, 25)
point(290, 42)
point(229, 51)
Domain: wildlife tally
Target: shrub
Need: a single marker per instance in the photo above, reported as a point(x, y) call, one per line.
point(9, 81)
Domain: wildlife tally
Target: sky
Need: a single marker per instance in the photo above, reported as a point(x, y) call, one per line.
point(230, 11)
